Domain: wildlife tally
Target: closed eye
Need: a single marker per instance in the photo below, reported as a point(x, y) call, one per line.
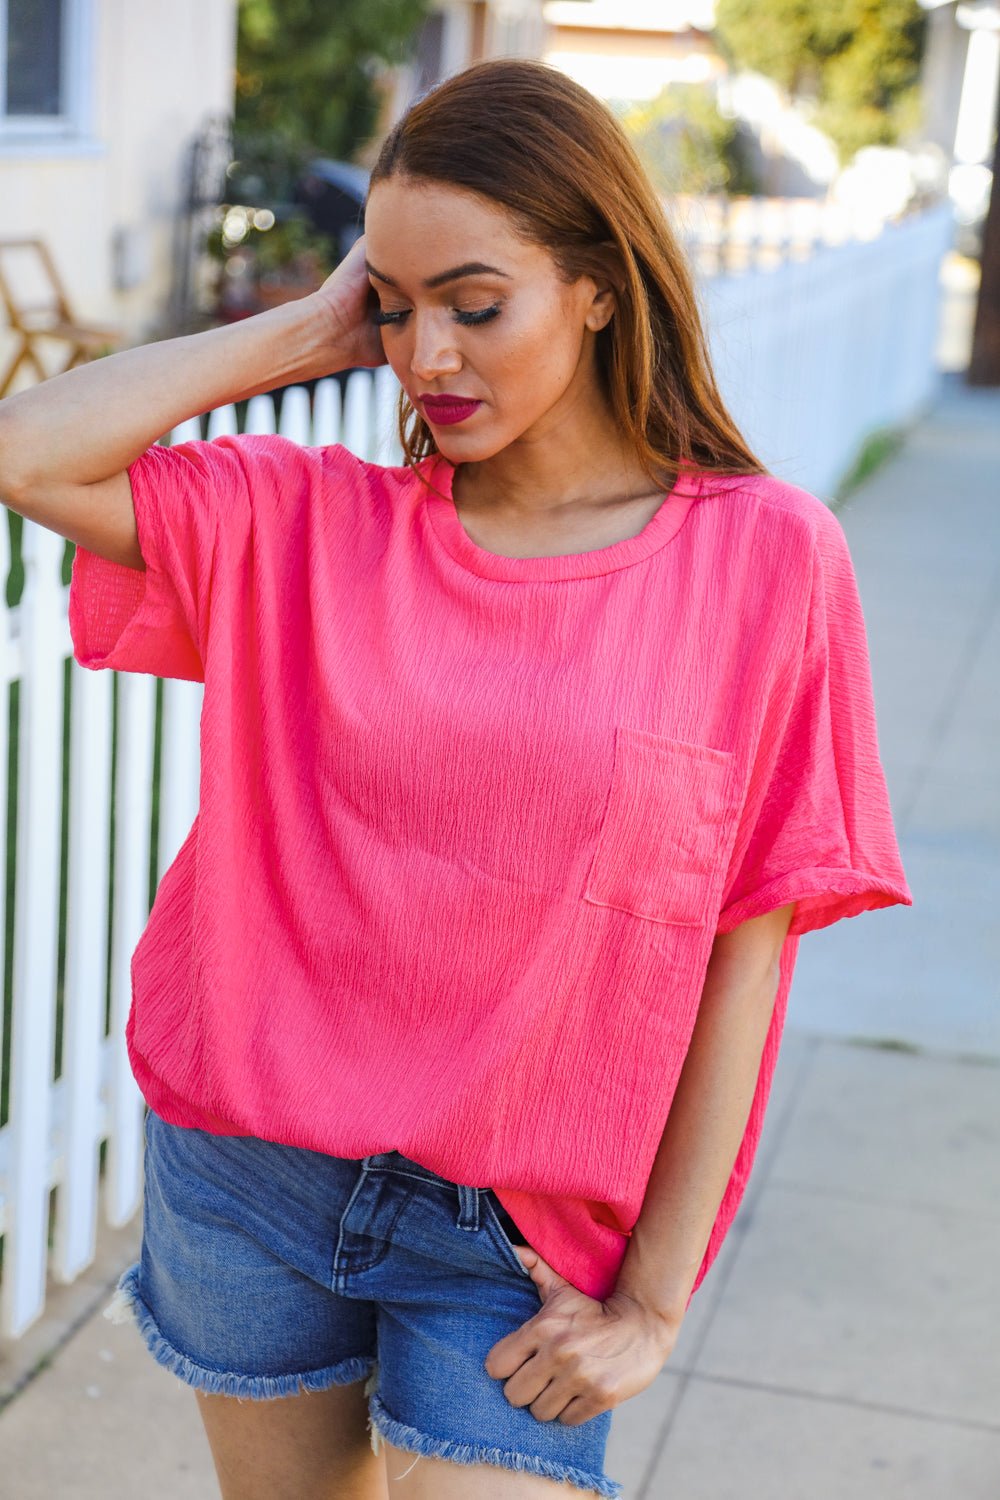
point(384, 319)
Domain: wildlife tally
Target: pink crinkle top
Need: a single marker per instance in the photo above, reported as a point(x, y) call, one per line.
point(469, 824)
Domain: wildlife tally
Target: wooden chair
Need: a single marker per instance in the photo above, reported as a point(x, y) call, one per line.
point(38, 309)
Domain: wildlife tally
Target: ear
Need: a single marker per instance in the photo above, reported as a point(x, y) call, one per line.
point(606, 277)
point(602, 308)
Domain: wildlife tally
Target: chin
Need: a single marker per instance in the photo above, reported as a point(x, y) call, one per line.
point(467, 448)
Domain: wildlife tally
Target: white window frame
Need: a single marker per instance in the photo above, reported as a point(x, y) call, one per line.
point(73, 124)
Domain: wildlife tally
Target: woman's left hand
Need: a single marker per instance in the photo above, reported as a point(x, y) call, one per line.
point(578, 1357)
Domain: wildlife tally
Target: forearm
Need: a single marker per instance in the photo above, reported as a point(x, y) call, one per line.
point(705, 1126)
point(92, 422)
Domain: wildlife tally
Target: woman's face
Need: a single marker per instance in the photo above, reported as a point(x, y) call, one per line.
point(488, 341)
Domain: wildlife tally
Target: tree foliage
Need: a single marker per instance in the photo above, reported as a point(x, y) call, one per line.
point(686, 145)
point(306, 71)
point(856, 61)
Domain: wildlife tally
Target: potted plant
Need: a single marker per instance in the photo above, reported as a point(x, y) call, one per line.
point(263, 261)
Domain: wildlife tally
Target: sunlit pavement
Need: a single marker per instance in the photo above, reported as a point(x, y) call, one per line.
point(843, 1344)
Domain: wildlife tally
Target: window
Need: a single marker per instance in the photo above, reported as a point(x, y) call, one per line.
point(44, 65)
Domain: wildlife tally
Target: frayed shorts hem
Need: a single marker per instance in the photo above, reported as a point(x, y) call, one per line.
point(127, 1306)
point(412, 1441)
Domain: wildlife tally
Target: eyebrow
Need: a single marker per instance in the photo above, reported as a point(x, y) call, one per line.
point(470, 268)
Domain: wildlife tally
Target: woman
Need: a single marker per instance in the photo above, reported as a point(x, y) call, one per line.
point(524, 767)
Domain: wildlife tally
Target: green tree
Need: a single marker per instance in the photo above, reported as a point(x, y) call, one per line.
point(686, 145)
point(856, 61)
point(306, 72)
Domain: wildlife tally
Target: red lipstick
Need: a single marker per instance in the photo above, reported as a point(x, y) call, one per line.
point(445, 410)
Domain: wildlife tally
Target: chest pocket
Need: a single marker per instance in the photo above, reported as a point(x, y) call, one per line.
point(667, 831)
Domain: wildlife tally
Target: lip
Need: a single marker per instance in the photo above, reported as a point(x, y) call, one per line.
point(445, 410)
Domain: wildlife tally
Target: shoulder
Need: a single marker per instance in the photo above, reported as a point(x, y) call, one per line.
point(276, 467)
point(765, 494)
point(340, 466)
point(764, 508)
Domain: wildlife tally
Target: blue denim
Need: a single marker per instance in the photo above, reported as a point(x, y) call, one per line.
point(269, 1269)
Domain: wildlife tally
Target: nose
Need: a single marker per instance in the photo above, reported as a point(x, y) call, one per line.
point(434, 353)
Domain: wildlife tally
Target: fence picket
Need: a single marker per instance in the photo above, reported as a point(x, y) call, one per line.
point(260, 415)
point(190, 431)
point(86, 970)
point(179, 768)
point(10, 655)
point(358, 414)
point(327, 413)
point(39, 763)
point(296, 423)
point(133, 807)
point(388, 449)
point(222, 422)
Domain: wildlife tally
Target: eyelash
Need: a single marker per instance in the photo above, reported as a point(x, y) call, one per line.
point(468, 319)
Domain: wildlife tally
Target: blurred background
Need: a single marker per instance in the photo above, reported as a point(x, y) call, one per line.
point(831, 171)
point(196, 164)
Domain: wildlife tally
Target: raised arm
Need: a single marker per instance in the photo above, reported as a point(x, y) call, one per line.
point(65, 445)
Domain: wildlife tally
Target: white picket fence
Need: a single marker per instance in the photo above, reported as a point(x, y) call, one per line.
point(817, 354)
point(53, 1134)
point(811, 357)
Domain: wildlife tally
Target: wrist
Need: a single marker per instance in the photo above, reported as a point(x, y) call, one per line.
point(664, 1325)
point(308, 340)
point(667, 1308)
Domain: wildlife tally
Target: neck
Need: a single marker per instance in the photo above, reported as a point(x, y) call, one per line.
point(576, 457)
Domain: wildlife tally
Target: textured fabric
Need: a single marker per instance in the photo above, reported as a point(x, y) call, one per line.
point(469, 824)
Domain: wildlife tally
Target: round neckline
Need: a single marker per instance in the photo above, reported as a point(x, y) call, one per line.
point(662, 527)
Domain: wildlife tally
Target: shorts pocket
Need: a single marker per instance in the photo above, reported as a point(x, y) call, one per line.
point(494, 1208)
point(667, 831)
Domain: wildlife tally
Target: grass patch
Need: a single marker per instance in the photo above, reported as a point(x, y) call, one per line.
point(884, 1044)
point(878, 447)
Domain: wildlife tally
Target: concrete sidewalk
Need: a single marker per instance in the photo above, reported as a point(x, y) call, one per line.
point(844, 1342)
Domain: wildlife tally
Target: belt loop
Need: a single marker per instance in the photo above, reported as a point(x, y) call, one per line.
point(468, 1207)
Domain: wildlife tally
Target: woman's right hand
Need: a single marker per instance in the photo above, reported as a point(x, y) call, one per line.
point(345, 299)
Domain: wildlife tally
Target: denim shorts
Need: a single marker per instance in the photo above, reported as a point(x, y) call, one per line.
point(268, 1269)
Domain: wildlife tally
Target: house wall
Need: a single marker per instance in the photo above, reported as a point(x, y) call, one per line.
point(464, 32)
point(106, 202)
point(945, 56)
point(631, 63)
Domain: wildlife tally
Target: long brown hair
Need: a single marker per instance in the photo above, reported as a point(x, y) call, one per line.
point(533, 141)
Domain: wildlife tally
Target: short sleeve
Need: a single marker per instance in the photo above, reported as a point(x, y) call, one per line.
point(817, 826)
point(191, 506)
